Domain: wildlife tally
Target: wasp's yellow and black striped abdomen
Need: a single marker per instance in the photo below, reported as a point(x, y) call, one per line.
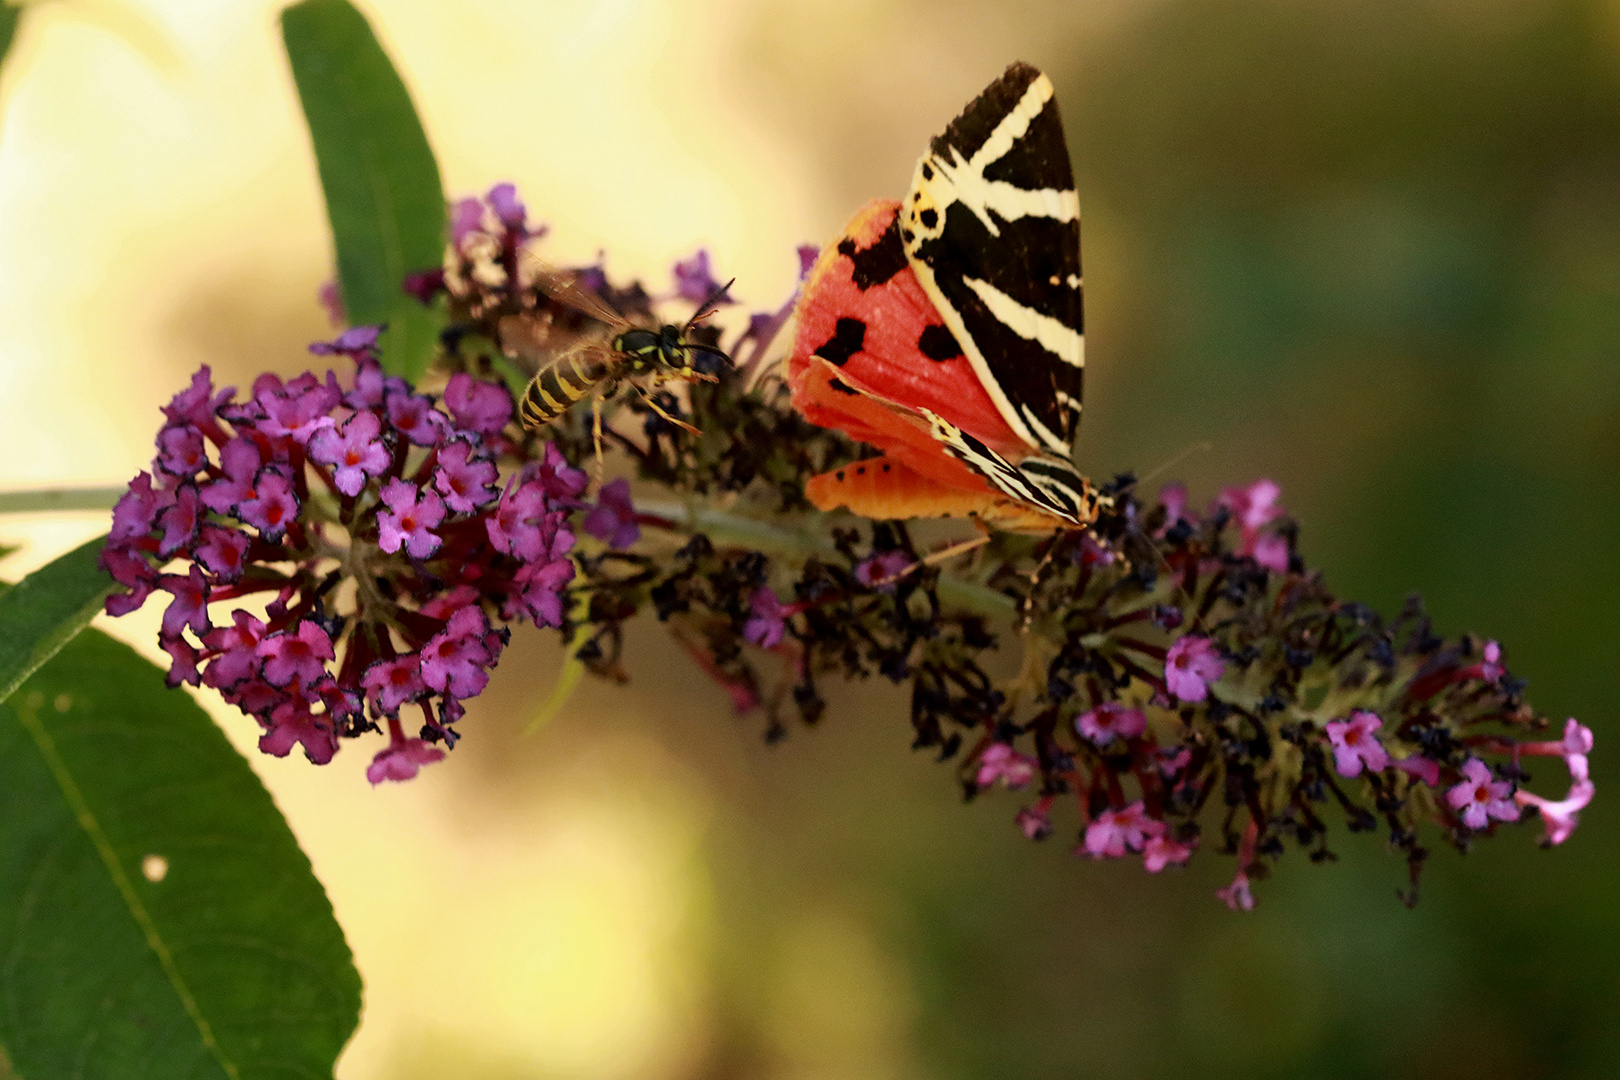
point(566, 382)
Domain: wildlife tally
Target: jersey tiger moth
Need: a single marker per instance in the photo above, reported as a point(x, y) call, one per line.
point(947, 330)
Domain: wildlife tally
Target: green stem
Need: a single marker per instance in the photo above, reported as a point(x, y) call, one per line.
point(717, 524)
point(50, 499)
point(762, 536)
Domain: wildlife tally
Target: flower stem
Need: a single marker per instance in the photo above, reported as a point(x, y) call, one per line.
point(762, 536)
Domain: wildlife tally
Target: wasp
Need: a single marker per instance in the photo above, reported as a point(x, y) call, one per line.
point(636, 355)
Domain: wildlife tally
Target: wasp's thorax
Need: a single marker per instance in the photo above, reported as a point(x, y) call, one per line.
point(649, 350)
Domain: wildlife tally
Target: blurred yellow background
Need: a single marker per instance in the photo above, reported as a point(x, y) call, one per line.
point(1371, 249)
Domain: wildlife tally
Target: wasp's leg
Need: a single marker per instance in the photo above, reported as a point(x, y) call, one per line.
point(596, 434)
point(655, 407)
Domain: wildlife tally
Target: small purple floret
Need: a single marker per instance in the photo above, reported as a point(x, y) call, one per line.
point(300, 653)
point(879, 571)
point(509, 209)
point(613, 520)
point(1481, 797)
point(1001, 762)
point(409, 520)
point(467, 483)
point(694, 282)
point(477, 405)
point(1191, 665)
point(766, 621)
point(355, 451)
point(1111, 720)
point(273, 506)
point(1355, 743)
point(402, 761)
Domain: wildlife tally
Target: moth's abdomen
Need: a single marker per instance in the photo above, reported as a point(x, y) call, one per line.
point(885, 488)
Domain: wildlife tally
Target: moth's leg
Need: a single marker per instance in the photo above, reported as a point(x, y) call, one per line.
point(1025, 610)
point(944, 554)
point(961, 547)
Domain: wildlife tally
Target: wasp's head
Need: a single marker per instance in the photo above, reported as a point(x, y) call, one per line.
point(674, 353)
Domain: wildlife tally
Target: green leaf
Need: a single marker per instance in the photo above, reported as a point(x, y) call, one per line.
point(42, 612)
point(573, 668)
point(229, 964)
point(8, 28)
point(383, 194)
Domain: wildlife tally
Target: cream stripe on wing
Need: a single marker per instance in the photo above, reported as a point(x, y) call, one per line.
point(1013, 125)
point(969, 187)
point(1053, 335)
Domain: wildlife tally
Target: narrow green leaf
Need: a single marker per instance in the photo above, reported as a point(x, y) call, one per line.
point(8, 28)
point(42, 612)
point(573, 668)
point(384, 198)
point(157, 918)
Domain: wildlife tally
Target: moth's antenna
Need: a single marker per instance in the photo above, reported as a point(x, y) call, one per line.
point(1193, 448)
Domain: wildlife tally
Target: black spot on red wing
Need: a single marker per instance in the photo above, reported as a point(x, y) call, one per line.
point(839, 476)
point(878, 263)
point(848, 337)
point(886, 468)
point(937, 343)
point(842, 387)
point(861, 471)
point(930, 218)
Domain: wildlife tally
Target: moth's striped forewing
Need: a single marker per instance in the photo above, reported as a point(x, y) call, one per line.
point(991, 226)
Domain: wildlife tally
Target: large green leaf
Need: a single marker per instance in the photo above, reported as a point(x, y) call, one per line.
point(383, 194)
point(41, 613)
point(157, 919)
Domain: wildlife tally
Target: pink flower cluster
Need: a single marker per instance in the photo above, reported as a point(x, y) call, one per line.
point(1214, 683)
point(373, 523)
point(1253, 507)
point(1113, 834)
point(1477, 797)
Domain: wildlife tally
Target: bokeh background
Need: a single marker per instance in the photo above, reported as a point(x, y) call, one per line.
point(1370, 248)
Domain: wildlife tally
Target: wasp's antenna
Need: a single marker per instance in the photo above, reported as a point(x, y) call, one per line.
point(710, 305)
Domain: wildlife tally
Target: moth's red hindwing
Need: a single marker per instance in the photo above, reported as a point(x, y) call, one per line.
point(863, 311)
